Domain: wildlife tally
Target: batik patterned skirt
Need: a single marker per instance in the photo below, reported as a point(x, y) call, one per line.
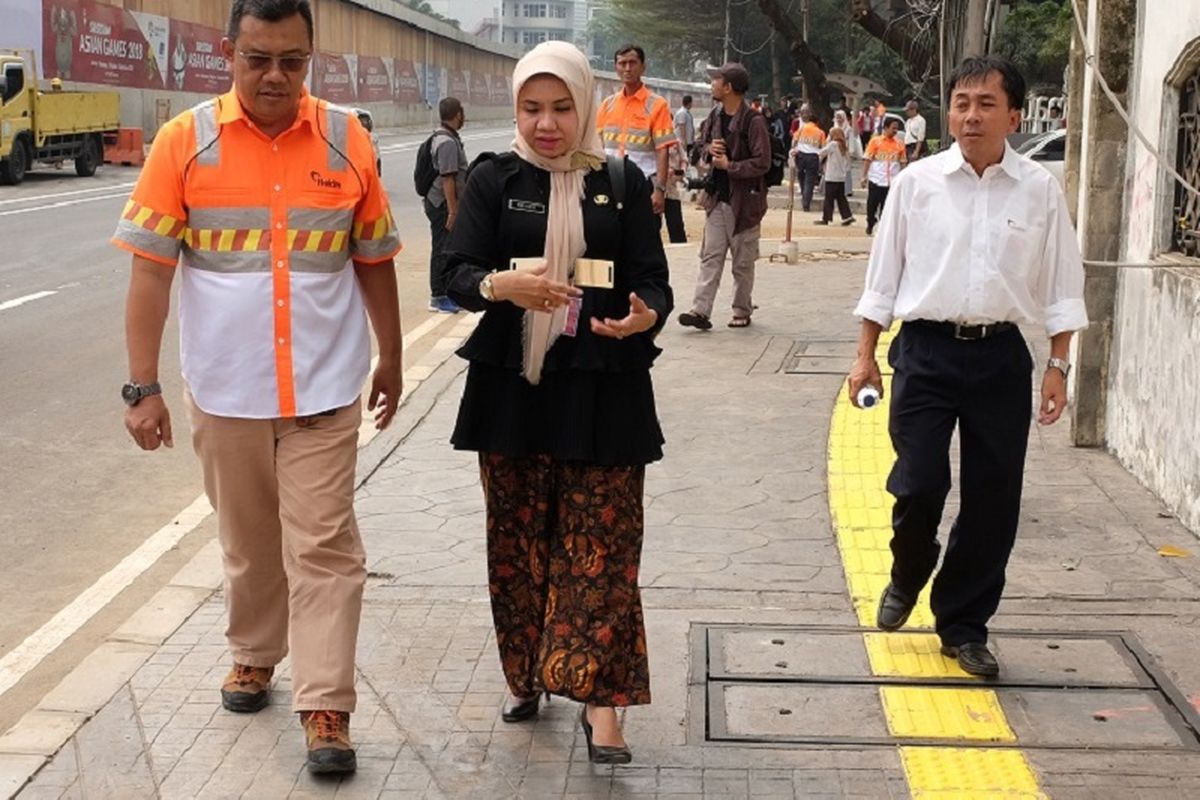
point(564, 544)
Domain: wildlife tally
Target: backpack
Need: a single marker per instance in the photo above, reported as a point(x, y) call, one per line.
point(779, 160)
point(779, 155)
point(425, 173)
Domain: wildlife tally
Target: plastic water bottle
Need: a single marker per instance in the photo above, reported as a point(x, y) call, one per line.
point(868, 397)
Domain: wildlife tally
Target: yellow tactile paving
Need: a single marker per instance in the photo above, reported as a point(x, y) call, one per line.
point(922, 712)
point(860, 457)
point(945, 773)
point(896, 655)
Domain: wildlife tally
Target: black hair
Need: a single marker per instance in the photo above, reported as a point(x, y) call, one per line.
point(270, 11)
point(687, 99)
point(976, 68)
point(449, 108)
point(630, 48)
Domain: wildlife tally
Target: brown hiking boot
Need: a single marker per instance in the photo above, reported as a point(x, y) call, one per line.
point(246, 689)
point(329, 747)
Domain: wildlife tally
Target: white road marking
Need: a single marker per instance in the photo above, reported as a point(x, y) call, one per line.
point(40, 197)
point(64, 203)
point(45, 640)
point(29, 653)
point(20, 301)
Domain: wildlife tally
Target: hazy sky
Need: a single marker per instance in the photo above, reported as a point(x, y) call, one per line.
point(468, 12)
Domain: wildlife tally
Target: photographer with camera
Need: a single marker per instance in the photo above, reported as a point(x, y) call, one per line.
point(737, 146)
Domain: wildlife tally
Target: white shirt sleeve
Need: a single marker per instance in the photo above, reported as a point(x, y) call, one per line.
point(1060, 283)
point(918, 129)
point(886, 264)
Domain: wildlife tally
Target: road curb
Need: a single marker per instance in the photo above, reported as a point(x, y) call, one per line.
point(29, 745)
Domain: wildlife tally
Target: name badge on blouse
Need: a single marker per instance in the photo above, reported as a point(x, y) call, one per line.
point(595, 273)
point(527, 206)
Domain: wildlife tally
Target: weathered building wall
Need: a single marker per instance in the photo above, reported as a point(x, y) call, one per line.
point(1153, 407)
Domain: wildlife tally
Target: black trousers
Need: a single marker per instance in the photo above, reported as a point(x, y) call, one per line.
point(674, 214)
point(985, 387)
point(835, 191)
point(876, 196)
point(437, 244)
point(808, 169)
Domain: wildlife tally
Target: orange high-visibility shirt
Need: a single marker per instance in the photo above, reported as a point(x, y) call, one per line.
point(808, 139)
point(271, 319)
point(636, 125)
point(886, 156)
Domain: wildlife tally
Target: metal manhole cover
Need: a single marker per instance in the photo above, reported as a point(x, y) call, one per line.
point(826, 685)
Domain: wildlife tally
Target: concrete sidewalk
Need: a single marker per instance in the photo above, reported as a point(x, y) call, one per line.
point(759, 686)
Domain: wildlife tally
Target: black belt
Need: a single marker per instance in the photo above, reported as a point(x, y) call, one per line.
point(964, 332)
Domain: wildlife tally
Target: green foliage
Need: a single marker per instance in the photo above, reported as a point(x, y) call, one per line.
point(427, 10)
point(680, 36)
point(1037, 36)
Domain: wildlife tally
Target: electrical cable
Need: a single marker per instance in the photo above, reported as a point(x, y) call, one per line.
point(1090, 60)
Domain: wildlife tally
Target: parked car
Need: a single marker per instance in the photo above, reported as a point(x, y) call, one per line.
point(1048, 149)
point(368, 122)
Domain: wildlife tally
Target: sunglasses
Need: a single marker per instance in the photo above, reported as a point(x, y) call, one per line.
point(260, 62)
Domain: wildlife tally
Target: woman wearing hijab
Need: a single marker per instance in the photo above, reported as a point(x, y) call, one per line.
point(558, 400)
point(854, 147)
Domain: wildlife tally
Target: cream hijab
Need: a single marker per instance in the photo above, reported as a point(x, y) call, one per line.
point(564, 220)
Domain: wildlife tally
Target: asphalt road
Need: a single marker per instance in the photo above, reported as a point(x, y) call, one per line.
point(76, 496)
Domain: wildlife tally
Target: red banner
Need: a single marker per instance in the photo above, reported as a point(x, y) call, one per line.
point(96, 43)
point(374, 83)
point(332, 79)
point(479, 89)
point(407, 85)
point(500, 94)
point(197, 64)
point(456, 86)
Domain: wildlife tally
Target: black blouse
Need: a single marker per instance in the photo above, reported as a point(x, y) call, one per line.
point(595, 401)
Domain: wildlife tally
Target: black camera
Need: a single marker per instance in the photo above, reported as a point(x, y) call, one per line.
point(705, 183)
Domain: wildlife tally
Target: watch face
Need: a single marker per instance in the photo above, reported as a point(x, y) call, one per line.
point(129, 393)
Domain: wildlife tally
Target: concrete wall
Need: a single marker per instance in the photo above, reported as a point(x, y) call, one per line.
point(1153, 409)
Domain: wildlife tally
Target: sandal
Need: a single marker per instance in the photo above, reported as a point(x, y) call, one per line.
point(739, 322)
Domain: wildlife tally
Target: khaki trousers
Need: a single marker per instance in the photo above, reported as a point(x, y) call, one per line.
point(720, 239)
point(283, 490)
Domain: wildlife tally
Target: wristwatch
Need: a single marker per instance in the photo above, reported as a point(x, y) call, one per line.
point(1060, 364)
point(133, 393)
point(485, 288)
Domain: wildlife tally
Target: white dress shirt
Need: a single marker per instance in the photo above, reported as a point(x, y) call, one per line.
point(953, 246)
point(914, 129)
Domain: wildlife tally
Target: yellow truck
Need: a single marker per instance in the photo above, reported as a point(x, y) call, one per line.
point(52, 126)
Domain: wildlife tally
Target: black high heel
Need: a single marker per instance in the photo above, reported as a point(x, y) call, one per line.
point(523, 710)
point(602, 753)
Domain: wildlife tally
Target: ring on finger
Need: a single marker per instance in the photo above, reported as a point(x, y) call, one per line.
point(546, 302)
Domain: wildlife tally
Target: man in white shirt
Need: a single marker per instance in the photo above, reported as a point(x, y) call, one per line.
point(685, 126)
point(914, 132)
point(975, 241)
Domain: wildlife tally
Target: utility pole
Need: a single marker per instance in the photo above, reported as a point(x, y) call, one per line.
point(725, 53)
point(975, 29)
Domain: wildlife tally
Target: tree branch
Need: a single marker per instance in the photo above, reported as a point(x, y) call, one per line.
point(808, 63)
point(898, 33)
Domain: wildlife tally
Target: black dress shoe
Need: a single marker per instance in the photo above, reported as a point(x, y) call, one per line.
point(894, 609)
point(974, 658)
point(600, 753)
point(521, 710)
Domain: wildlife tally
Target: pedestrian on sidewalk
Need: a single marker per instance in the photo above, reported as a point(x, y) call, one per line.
point(914, 132)
point(269, 195)
point(883, 161)
point(636, 122)
point(677, 167)
point(449, 158)
point(806, 151)
point(836, 158)
point(685, 127)
point(737, 146)
point(841, 119)
point(558, 400)
point(1004, 254)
